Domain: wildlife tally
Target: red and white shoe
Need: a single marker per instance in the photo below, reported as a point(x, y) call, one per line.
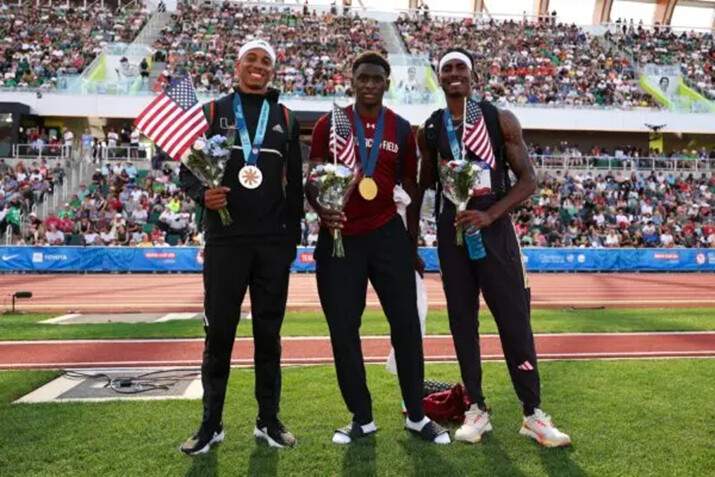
point(539, 427)
point(476, 423)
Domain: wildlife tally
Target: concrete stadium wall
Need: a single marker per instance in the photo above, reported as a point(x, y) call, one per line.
point(108, 106)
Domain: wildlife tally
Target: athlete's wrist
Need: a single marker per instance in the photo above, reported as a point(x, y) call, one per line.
point(493, 214)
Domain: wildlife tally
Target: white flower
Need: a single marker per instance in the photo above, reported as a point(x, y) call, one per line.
point(330, 168)
point(343, 172)
point(199, 145)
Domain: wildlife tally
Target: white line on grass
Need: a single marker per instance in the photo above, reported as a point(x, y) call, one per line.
point(368, 337)
point(61, 319)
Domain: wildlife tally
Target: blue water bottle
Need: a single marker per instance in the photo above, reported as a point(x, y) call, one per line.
point(475, 245)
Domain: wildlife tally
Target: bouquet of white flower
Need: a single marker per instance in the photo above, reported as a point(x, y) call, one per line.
point(206, 159)
point(334, 183)
point(459, 179)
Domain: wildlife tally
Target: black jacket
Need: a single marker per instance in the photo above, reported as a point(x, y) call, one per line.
point(273, 211)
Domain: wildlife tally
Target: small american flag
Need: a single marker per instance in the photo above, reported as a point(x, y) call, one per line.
point(175, 119)
point(342, 141)
point(476, 137)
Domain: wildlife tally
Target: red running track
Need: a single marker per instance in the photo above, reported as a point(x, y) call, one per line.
point(184, 292)
point(315, 350)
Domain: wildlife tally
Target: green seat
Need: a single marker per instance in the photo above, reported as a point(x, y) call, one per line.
point(154, 217)
point(148, 228)
point(172, 239)
point(75, 239)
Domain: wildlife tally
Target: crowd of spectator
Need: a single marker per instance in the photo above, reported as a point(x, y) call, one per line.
point(121, 206)
point(126, 206)
point(531, 62)
point(619, 210)
point(517, 62)
point(314, 51)
point(604, 211)
point(693, 52)
point(38, 43)
point(24, 187)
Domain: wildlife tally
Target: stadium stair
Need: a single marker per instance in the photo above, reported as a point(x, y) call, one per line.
point(391, 39)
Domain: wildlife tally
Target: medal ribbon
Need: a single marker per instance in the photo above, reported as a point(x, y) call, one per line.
point(452, 135)
point(368, 164)
point(250, 151)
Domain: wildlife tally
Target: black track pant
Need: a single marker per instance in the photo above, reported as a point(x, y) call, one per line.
point(384, 257)
point(501, 278)
point(228, 272)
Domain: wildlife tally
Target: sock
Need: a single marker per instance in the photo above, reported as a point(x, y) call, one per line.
point(369, 427)
point(340, 438)
point(417, 426)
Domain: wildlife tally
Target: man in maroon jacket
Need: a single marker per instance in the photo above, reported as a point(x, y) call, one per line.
point(377, 248)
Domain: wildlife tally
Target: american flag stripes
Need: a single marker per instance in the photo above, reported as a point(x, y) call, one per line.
point(175, 119)
point(476, 136)
point(342, 141)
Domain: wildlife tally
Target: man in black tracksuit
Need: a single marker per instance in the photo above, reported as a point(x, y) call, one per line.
point(500, 275)
point(256, 251)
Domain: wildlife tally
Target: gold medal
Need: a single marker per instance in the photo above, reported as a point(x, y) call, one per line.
point(367, 188)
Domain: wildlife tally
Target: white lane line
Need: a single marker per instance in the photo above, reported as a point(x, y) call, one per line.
point(367, 337)
point(61, 319)
point(176, 316)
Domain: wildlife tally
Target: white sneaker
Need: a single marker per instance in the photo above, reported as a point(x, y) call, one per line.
point(539, 427)
point(476, 423)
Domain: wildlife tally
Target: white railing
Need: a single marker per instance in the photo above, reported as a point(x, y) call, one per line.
point(34, 151)
point(612, 163)
point(126, 153)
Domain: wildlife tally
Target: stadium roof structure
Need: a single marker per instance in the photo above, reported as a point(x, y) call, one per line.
point(685, 14)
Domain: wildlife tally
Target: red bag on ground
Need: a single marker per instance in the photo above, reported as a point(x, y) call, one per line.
point(447, 405)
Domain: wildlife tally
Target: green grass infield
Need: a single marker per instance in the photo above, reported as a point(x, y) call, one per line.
point(306, 323)
point(647, 417)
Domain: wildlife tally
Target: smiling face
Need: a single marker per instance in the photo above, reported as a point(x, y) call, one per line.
point(255, 71)
point(455, 77)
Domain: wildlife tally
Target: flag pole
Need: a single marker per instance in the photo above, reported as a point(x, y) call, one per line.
point(335, 152)
point(464, 127)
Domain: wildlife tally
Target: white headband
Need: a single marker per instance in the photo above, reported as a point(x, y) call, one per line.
point(455, 55)
point(258, 44)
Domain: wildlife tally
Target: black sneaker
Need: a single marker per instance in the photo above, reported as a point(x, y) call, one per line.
point(201, 442)
point(274, 433)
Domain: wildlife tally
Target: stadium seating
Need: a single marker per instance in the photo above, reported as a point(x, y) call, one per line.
point(121, 206)
point(314, 50)
point(537, 63)
point(693, 52)
point(585, 208)
point(39, 43)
